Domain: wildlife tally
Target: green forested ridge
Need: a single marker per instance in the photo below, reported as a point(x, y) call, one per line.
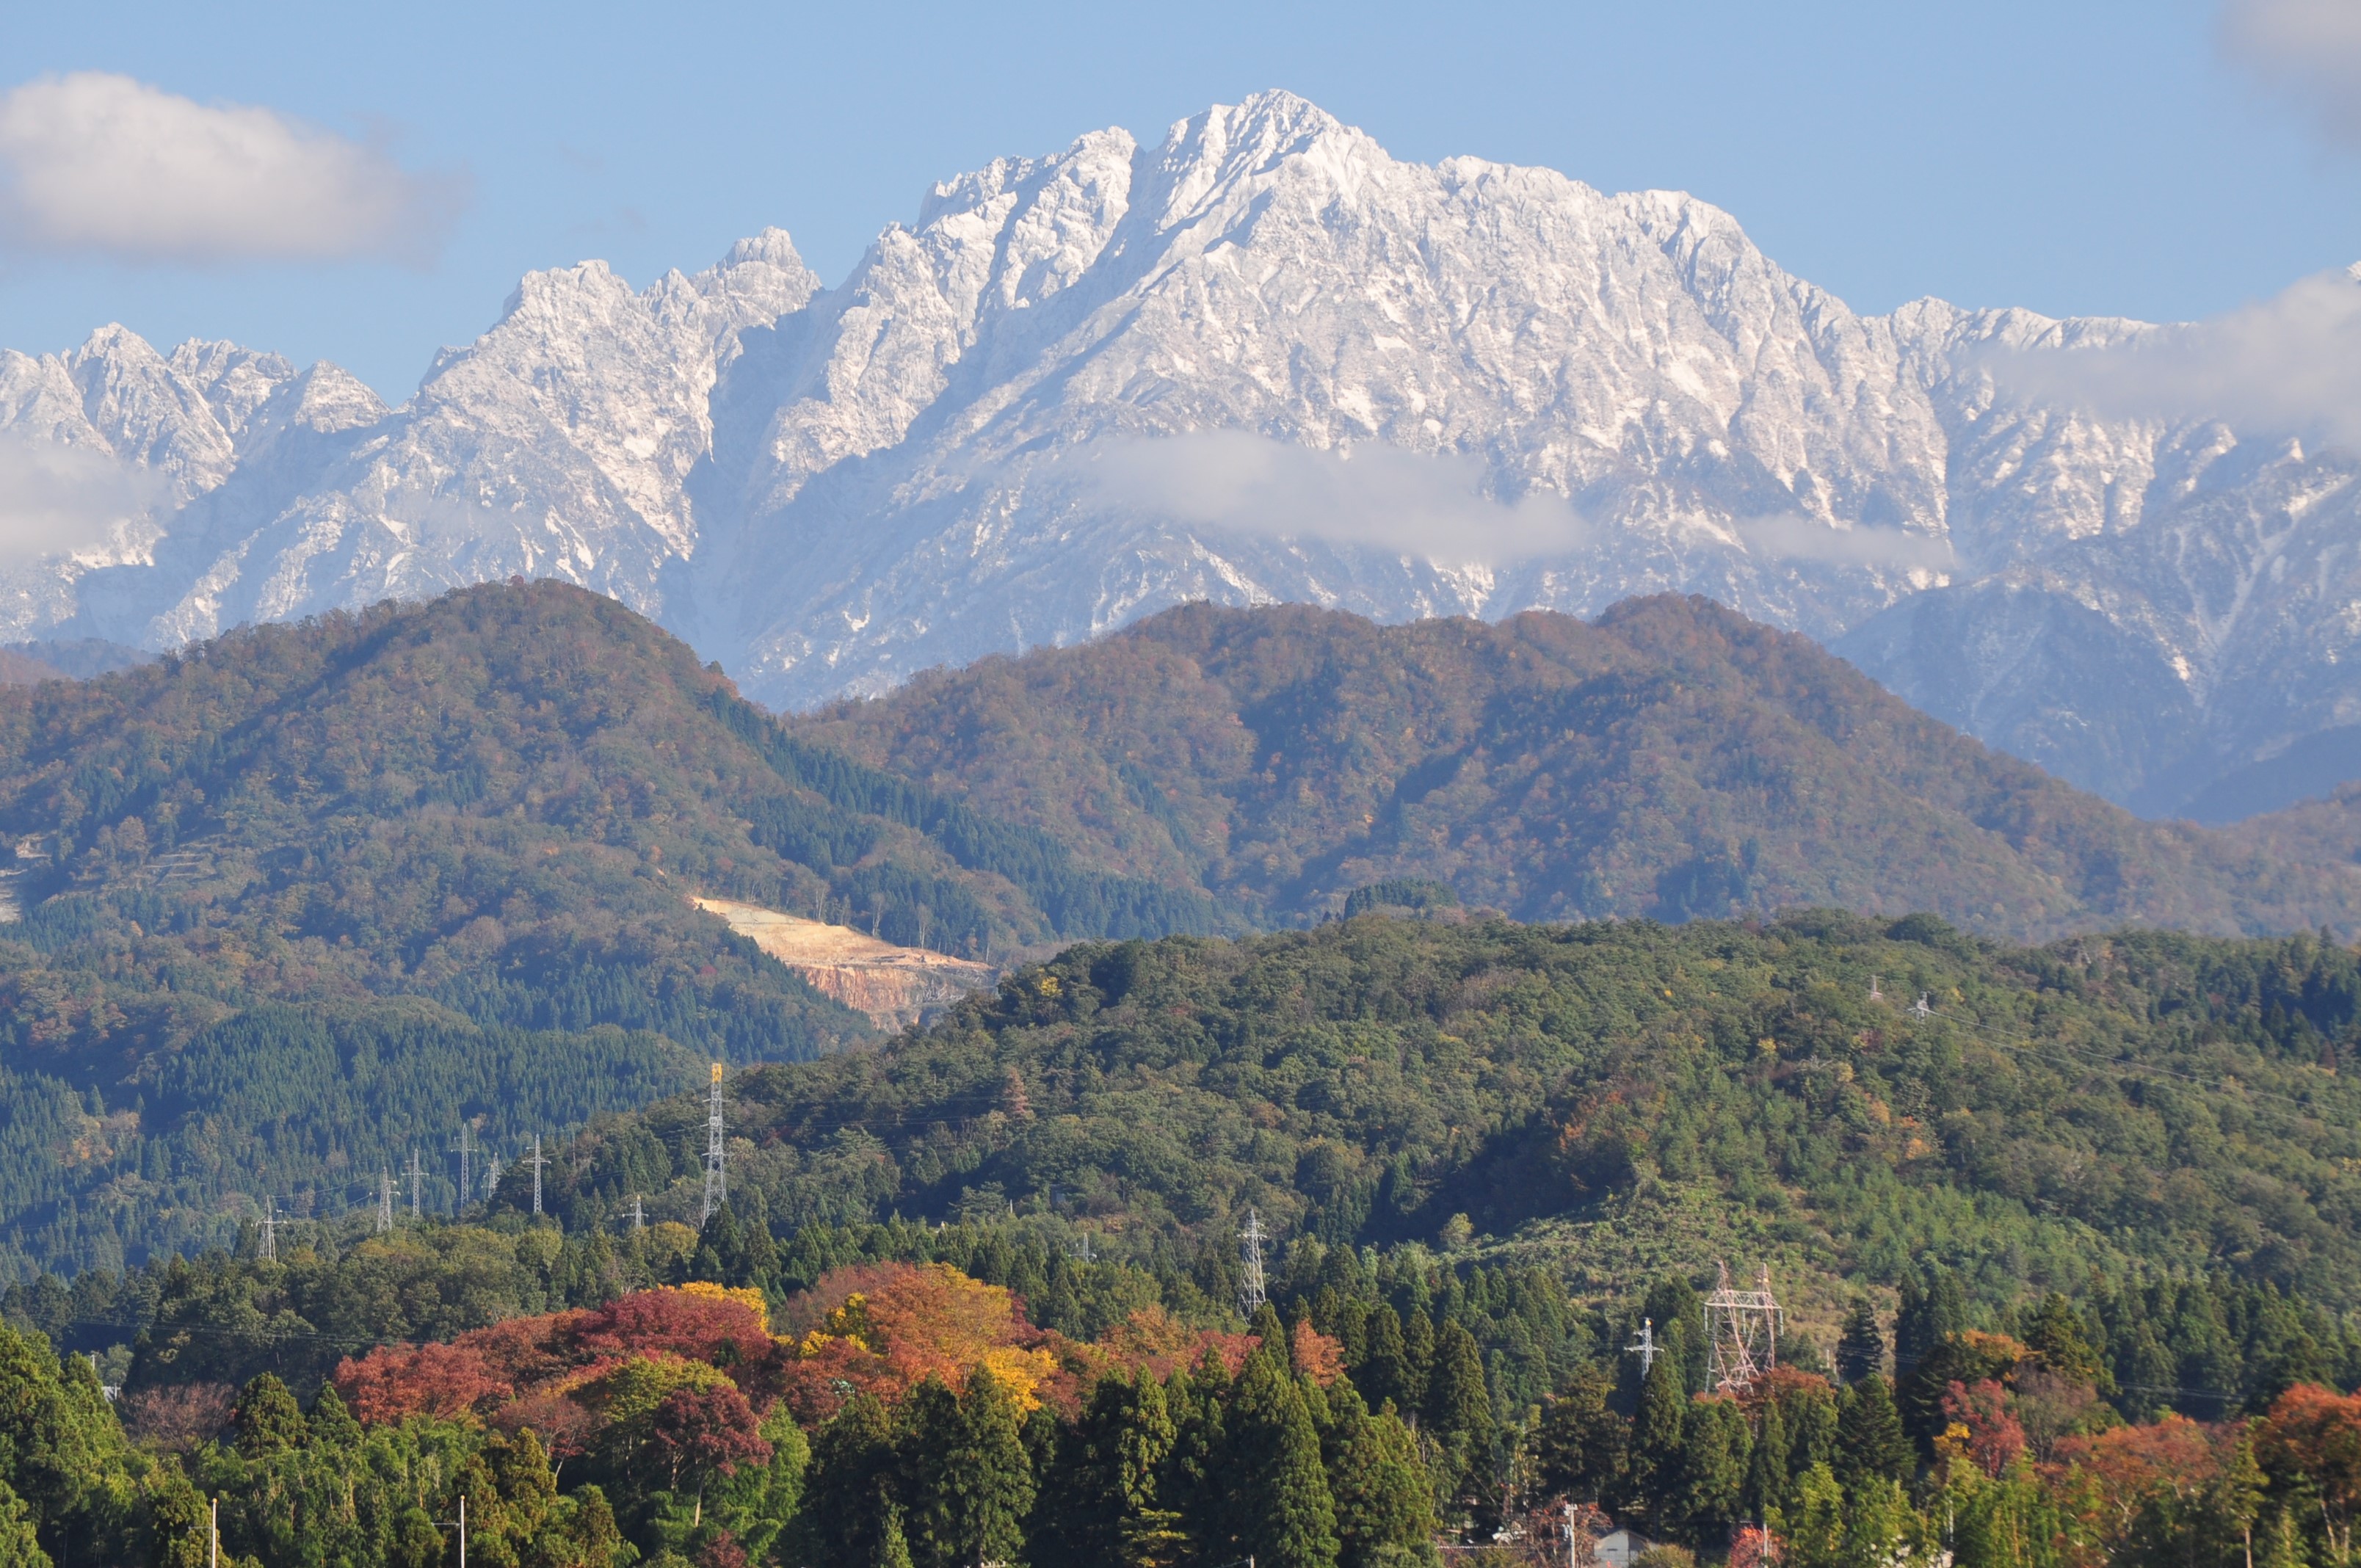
point(304, 898)
point(1608, 1099)
point(1669, 758)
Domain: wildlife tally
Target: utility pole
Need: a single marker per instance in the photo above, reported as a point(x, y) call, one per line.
point(384, 1201)
point(414, 1181)
point(715, 1187)
point(1645, 1347)
point(536, 1162)
point(462, 1522)
point(1250, 1288)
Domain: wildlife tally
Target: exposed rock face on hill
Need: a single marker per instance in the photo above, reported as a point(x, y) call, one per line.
point(895, 986)
point(1083, 388)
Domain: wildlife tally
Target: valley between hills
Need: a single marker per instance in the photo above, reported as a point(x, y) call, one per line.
point(1501, 980)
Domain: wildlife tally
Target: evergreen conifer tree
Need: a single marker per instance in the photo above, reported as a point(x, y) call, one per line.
point(1809, 1415)
point(991, 1474)
point(1280, 1510)
point(1384, 1499)
point(1418, 1359)
point(2055, 1332)
point(893, 1547)
point(927, 1436)
point(849, 1490)
point(19, 1545)
point(1933, 1308)
point(1654, 1478)
point(330, 1423)
point(1860, 1350)
point(176, 1517)
point(1194, 1479)
point(1678, 1312)
point(1766, 1466)
point(1813, 1523)
point(1383, 1375)
point(266, 1419)
point(1877, 1522)
point(1714, 1453)
point(1582, 1438)
point(1870, 1439)
point(1459, 1402)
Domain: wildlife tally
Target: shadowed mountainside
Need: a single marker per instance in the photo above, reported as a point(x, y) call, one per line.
point(1670, 758)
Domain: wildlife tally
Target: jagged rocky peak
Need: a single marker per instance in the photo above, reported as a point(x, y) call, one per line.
point(1258, 359)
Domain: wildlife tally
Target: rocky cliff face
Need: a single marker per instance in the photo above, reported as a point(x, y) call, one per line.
point(1258, 360)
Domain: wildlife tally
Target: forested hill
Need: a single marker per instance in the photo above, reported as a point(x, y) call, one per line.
point(1670, 758)
point(302, 900)
point(1613, 1098)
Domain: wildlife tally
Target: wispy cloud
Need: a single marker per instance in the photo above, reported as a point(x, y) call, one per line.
point(2309, 48)
point(96, 163)
point(1793, 537)
point(2290, 365)
point(1376, 497)
point(56, 499)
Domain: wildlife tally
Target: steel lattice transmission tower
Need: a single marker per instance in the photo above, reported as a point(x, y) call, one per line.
point(1644, 1346)
point(269, 1227)
point(1742, 1329)
point(716, 1187)
point(466, 1168)
point(414, 1174)
point(384, 1201)
point(536, 1162)
point(1251, 1284)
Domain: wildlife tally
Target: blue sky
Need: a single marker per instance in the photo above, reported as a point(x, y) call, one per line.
point(2094, 158)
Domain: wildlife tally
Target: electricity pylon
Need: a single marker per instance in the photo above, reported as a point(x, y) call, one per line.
point(716, 1187)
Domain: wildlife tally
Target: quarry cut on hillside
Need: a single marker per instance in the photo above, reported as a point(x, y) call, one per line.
point(897, 987)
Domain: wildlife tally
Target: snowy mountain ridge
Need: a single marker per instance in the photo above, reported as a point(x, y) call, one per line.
point(1260, 360)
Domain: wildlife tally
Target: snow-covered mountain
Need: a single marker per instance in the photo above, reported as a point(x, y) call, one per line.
point(1259, 360)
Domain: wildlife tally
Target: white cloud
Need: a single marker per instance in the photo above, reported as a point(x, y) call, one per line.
point(98, 163)
point(1376, 496)
point(1792, 537)
point(56, 499)
point(2288, 365)
point(2311, 48)
point(1382, 497)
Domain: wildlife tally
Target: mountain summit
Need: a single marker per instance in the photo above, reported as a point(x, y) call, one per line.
point(1259, 360)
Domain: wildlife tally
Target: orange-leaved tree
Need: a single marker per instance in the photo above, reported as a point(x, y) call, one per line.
point(398, 1380)
point(882, 1329)
point(2311, 1434)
